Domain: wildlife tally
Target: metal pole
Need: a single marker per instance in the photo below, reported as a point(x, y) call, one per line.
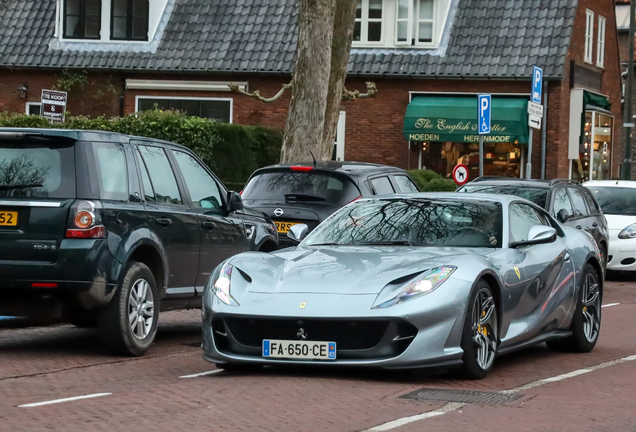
point(481, 155)
point(627, 163)
point(544, 130)
point(529, 164)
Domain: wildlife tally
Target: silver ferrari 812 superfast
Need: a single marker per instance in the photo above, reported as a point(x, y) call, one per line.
point(409, 281)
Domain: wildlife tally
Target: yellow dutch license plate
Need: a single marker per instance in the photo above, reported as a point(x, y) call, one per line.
point(283, 227)
point(8, 218)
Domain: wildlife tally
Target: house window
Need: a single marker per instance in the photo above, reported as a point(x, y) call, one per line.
point(33, 108)
point(600, 44)
point(368, 23)
point(212, 108)
point(129, 20)
point(399, 23)
point(589, 35)
point(82, 19)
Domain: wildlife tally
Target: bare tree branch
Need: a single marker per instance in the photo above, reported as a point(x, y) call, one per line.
point(372, 90)
point(257, 94)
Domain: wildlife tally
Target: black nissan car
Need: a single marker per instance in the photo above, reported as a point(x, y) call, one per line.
point(568, 201)
point(99, 228)
point(308, 192)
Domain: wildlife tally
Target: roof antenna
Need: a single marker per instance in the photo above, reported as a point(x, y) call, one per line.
point(314, 158)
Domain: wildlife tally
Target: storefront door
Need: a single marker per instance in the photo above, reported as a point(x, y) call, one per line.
point(594, 162)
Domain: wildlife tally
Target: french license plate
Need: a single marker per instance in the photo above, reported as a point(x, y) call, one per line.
point(283, 227)
point(8, 218)
point(299, 349)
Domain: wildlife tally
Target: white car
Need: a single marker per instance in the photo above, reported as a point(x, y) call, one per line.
point(617, 199)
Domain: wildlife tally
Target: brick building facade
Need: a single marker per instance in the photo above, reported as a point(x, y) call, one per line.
point(469, 49)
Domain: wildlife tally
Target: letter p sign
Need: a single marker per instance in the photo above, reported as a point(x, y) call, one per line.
point(483, 118)
point(537, 84)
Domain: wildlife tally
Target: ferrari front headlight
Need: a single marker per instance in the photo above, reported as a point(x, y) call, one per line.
point(221, 285)
point(628, 233)
point(421, 285)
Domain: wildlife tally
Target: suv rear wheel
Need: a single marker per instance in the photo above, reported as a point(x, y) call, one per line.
point(128, 324)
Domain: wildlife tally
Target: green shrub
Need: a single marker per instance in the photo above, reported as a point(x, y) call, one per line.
point(232, 151)
point(439, 185)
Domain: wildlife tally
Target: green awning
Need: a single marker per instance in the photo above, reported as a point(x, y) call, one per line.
point(454, 119)
point(596, 100)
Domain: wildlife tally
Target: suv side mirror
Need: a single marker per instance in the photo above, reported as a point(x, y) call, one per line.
point(538, 234)
point(298, 232)
point(563, 215)
point(234, 202)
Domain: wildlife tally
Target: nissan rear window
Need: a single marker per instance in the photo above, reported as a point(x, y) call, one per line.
point(310, 186)
point(37, 168)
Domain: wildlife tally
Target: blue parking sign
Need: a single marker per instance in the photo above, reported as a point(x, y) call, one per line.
point(483, 114)
point(537, 84)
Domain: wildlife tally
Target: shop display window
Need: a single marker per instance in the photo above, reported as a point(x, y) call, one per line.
point(594, 162)
point(500, 159)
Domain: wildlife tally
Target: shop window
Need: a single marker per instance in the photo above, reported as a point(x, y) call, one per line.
point(215, 109)
point(600, 44)
point(82, 19)
point(589, 35)
point(500, 159)
point(594, 162)
point(395, 23)
point(129, 20)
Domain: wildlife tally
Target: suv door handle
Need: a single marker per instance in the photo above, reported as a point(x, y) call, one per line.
point(208, 225)
point(595, 224)
point(566, 257)
point(164, 221)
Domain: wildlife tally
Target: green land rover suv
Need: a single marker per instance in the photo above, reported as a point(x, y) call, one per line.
point(99, 228)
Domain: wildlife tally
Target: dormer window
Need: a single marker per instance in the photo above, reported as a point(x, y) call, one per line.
point(400, 23)
point(82, 19)
point(129, 20)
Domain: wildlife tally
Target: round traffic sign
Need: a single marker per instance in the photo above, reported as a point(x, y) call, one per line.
point(460, 174)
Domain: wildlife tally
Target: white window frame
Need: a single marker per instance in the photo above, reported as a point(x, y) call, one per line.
point(600, 42)
point(30, 104)
point(589, 35)
point(137, 97)
point(340, 136)
point(434, 21)
point(409, 23)
point(364, 21)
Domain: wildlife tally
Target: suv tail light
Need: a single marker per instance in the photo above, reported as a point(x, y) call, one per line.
point(85, 221)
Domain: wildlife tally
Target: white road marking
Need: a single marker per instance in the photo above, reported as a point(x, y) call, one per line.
point(610, 304)
point(202, 373)
point(452, 406)
point(69, 399)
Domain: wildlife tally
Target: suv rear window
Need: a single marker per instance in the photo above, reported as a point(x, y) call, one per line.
point(37, 169)
point(535, 195)
point(301, 186)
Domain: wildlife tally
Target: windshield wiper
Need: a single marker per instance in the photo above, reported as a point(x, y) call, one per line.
point(387, 243)
point(302, 197)
point(16, 186)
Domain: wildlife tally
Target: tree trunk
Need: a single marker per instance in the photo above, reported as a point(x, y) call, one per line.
point(306, 118)
point(344, 21)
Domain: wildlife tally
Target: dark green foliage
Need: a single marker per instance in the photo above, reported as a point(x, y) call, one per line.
point(232, 151)
point(430, 181)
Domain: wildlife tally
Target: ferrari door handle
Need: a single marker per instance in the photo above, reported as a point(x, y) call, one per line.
point(163, 221)
point(209, 225)
point(579, 227)
point(595, 224)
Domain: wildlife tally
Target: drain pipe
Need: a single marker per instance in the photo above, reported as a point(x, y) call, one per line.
point(544, 130)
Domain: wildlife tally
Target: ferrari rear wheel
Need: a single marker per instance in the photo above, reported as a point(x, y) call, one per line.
point(481, 327)
point(586, 322)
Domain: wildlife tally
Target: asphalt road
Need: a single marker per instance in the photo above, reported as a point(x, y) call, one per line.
point(551, 391)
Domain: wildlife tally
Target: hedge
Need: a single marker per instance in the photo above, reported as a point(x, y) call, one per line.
point(232, 151)
point(430, 181)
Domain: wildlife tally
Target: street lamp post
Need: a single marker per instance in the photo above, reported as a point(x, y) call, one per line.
point(629, 120)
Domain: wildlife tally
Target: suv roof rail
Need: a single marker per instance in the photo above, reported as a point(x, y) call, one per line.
point(555, 181)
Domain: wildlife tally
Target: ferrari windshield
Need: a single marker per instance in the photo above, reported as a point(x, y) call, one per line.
point(415, 222)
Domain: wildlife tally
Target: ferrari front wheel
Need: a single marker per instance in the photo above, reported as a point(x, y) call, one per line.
point(479, 339)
